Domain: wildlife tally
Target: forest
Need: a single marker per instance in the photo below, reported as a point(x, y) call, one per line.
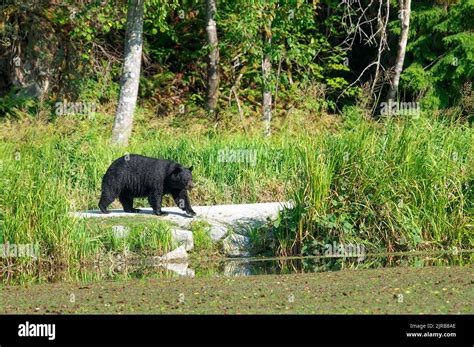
point(357, 112)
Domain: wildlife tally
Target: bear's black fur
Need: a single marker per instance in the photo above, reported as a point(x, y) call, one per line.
point(134, 176)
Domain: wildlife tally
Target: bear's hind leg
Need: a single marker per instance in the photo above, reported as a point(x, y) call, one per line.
point(127, 203)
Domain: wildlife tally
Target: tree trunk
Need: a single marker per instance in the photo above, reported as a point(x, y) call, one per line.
point(131, 74)
point(34, 55)
point(266, 73)
point(405, 11)
point(382, 23)
point(213, 57)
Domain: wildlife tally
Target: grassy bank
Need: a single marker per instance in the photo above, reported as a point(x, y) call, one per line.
point(391, 185)
point(402, 185)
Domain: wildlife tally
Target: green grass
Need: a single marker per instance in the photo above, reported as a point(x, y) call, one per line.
point(407, 185)
point(143, 236)
point(392, 186)
point(203, 243)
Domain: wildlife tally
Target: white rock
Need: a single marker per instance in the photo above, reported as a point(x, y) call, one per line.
point(240, 218)
point(234, 216)
point(176, 254)
point(236, 245)
point(218, 232)
point(183, 237)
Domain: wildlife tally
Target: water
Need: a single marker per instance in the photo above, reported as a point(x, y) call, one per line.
point(279, 266)
point(146, 268)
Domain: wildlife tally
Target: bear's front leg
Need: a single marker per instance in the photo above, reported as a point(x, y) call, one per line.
point(155, 199)
point(179, 201)
point(184, 203)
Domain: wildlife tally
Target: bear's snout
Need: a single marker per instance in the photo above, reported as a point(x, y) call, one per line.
point(190, 185)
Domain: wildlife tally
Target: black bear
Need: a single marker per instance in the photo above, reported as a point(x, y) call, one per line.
point(133, 176)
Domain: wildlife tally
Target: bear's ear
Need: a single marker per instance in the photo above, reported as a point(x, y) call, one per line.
point(190, 168)
point(175, 169)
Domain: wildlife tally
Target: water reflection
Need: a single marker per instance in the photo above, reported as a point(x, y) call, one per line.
point(236, 267)
point(323, 264)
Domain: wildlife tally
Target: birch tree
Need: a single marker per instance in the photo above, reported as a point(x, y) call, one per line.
point(405, 11)
point(266, 74)
point(213, 57)
point(131, 74)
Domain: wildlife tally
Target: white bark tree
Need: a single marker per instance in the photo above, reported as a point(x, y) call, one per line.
point(131, 74)
point(213, 57)
point(405, 11)
point(266, 73)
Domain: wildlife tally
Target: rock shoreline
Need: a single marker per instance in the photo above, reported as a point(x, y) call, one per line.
point(229, 224)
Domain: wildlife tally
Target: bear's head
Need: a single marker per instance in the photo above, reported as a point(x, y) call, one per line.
point(181, 177)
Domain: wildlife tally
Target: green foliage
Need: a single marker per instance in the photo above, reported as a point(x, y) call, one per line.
point(300, 49)
point(391, 186)
point(394, 186)
point(13, 105)
point(305, 50)
point(406, 186)
point(202, 239)
point(440, 56)
point(145, 238)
